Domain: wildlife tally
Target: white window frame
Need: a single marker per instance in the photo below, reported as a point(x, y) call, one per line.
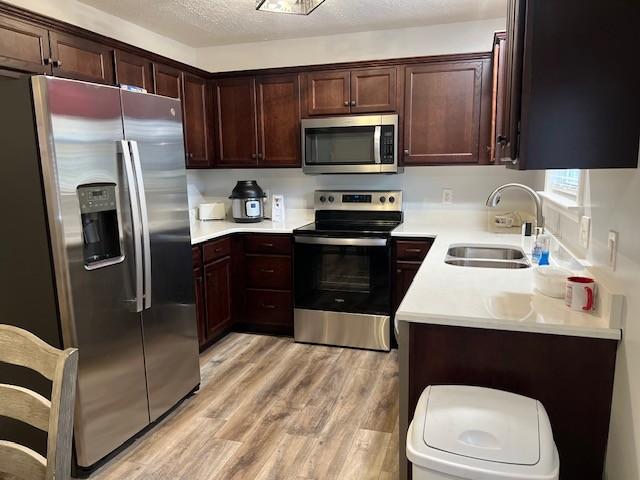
point(561, 196)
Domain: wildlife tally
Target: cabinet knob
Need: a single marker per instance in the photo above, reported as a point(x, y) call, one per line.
point(260, 156)
point(353, 103)
point(254, 155)
point(47, 61)
point(57, 63)
point(346, 104)
point(406, 152)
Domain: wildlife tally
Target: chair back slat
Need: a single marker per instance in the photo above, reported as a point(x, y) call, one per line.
point(19, 347)
point(21, 462)
point(24, 405)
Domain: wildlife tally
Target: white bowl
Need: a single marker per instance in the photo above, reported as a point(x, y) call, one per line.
point(551, 281)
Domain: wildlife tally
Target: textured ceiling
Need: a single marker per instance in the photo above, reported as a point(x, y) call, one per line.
point(201, 23)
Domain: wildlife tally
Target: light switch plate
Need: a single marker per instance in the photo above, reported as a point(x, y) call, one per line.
point(585, 231)
point(447, 196)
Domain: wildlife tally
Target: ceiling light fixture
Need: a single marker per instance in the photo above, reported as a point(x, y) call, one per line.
point(296, 7)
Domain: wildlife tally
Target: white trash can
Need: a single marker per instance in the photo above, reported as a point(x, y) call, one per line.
point(462, 432)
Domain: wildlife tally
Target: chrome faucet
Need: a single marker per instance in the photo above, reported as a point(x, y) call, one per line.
point(494, 199)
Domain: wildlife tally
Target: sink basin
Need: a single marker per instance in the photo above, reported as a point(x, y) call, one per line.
point(471, 262)
point(486, 256)
point(486, 252)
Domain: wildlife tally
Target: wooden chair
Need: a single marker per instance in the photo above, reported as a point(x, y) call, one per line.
point(19, 347)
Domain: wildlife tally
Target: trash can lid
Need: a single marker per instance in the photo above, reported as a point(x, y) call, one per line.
point(483, 423)
point(475, 432)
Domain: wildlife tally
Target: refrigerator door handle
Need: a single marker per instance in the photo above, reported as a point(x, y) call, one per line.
point(137, 224)
point(146, 240)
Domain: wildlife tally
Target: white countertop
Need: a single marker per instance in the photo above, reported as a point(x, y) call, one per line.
point(201, 231)
point(442, 294)
point(502, 299)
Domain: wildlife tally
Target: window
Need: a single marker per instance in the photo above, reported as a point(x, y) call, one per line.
point(565, 185)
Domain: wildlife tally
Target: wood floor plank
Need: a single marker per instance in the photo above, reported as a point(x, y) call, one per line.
point(391, 458)
point(366, 456)
point(288, 458)
point(383, 406)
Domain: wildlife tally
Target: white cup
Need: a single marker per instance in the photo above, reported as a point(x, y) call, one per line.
point(580, 294)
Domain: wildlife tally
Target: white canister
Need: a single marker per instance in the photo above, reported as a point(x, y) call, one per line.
point(212, 211)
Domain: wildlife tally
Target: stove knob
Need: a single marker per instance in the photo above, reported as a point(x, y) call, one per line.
point(323, 199)
point(383, 199)
point(392, 199)
point(331, 199)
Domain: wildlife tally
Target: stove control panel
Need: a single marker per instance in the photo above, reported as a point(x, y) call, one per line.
point(358, 200)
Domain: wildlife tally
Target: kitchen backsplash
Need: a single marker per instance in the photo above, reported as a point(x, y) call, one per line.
point(422, 186)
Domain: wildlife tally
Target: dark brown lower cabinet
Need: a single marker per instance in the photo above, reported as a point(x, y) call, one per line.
point(571, 376)
point(408, 255)
point(217, 295)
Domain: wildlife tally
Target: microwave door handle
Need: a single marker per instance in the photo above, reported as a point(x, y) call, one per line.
point(146, 240)
point(135, 217)
point(376, 144)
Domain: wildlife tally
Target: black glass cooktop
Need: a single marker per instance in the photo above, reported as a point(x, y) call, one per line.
point(348, 228)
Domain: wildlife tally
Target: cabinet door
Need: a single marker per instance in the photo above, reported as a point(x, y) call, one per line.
point(278, 103)
point(133, 70)
point(198, 282)
point(81, 59)
point(236, 122)
point(442, 113)
point(328, 93)
point(405, 273)
point(24, 47)
point(499, 147)
point(514, 46)
point(196, 121)
point(217, 291)
point(373, 90)
point(167, 81)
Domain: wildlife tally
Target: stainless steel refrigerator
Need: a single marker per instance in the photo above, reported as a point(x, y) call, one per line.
point(96, 248)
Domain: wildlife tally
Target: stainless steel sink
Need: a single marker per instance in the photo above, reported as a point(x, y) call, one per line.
point(469, 262)
point(488, 252)
point(486, 256)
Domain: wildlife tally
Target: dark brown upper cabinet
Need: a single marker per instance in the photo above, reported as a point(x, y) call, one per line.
point(167, 81)
point(442, 113)
point(337, 92)
point(571, 93)
point(278, 120)
point(235, 106)
point(499, 147)
point(24, 47)
point(81, 59)
point(196, 104)
point(133, 70)
point(328, 93)
point(258, 121)
point(373, 90)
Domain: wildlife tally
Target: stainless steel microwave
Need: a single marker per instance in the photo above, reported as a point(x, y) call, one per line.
point(353, 144)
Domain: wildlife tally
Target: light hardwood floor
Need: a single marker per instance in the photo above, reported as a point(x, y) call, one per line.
point(271, 409)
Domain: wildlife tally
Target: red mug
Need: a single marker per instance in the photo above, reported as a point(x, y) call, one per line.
point(580, 293)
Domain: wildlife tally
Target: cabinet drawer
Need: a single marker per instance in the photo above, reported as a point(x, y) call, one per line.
point(216, 249)
point(269, 272)
point(278, 244)
point(412, 249)
point(196, 256)
point(269, 308)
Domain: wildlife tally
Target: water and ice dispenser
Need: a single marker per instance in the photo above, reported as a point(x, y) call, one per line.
point(100, 226)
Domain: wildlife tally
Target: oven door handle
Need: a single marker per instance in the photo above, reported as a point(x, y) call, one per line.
point(351, 242)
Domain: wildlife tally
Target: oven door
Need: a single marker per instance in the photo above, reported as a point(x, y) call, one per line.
point(361, 144)
point(343, 274)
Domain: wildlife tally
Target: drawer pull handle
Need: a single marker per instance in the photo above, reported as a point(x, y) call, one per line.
point(413, 250)
point(219, 249)
point(270, 307)
point(267, 270)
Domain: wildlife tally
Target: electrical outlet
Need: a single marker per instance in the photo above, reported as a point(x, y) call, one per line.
point(585, 231)
point(612, 243)
point(447, 196)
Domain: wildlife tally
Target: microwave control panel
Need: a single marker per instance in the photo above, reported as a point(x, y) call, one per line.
point(387, 144)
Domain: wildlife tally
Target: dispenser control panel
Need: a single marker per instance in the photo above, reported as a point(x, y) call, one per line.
point(97, 198)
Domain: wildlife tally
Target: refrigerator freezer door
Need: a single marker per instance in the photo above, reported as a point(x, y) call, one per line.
point(80, 128)
point(153, 126)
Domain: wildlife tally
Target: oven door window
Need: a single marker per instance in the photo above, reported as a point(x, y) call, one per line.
point(339, 146)
point(342, 278)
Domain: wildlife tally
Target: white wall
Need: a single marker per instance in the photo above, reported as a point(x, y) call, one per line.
point(422, 186)
point(613, 203)
point(85, 16)
point(463, 37)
